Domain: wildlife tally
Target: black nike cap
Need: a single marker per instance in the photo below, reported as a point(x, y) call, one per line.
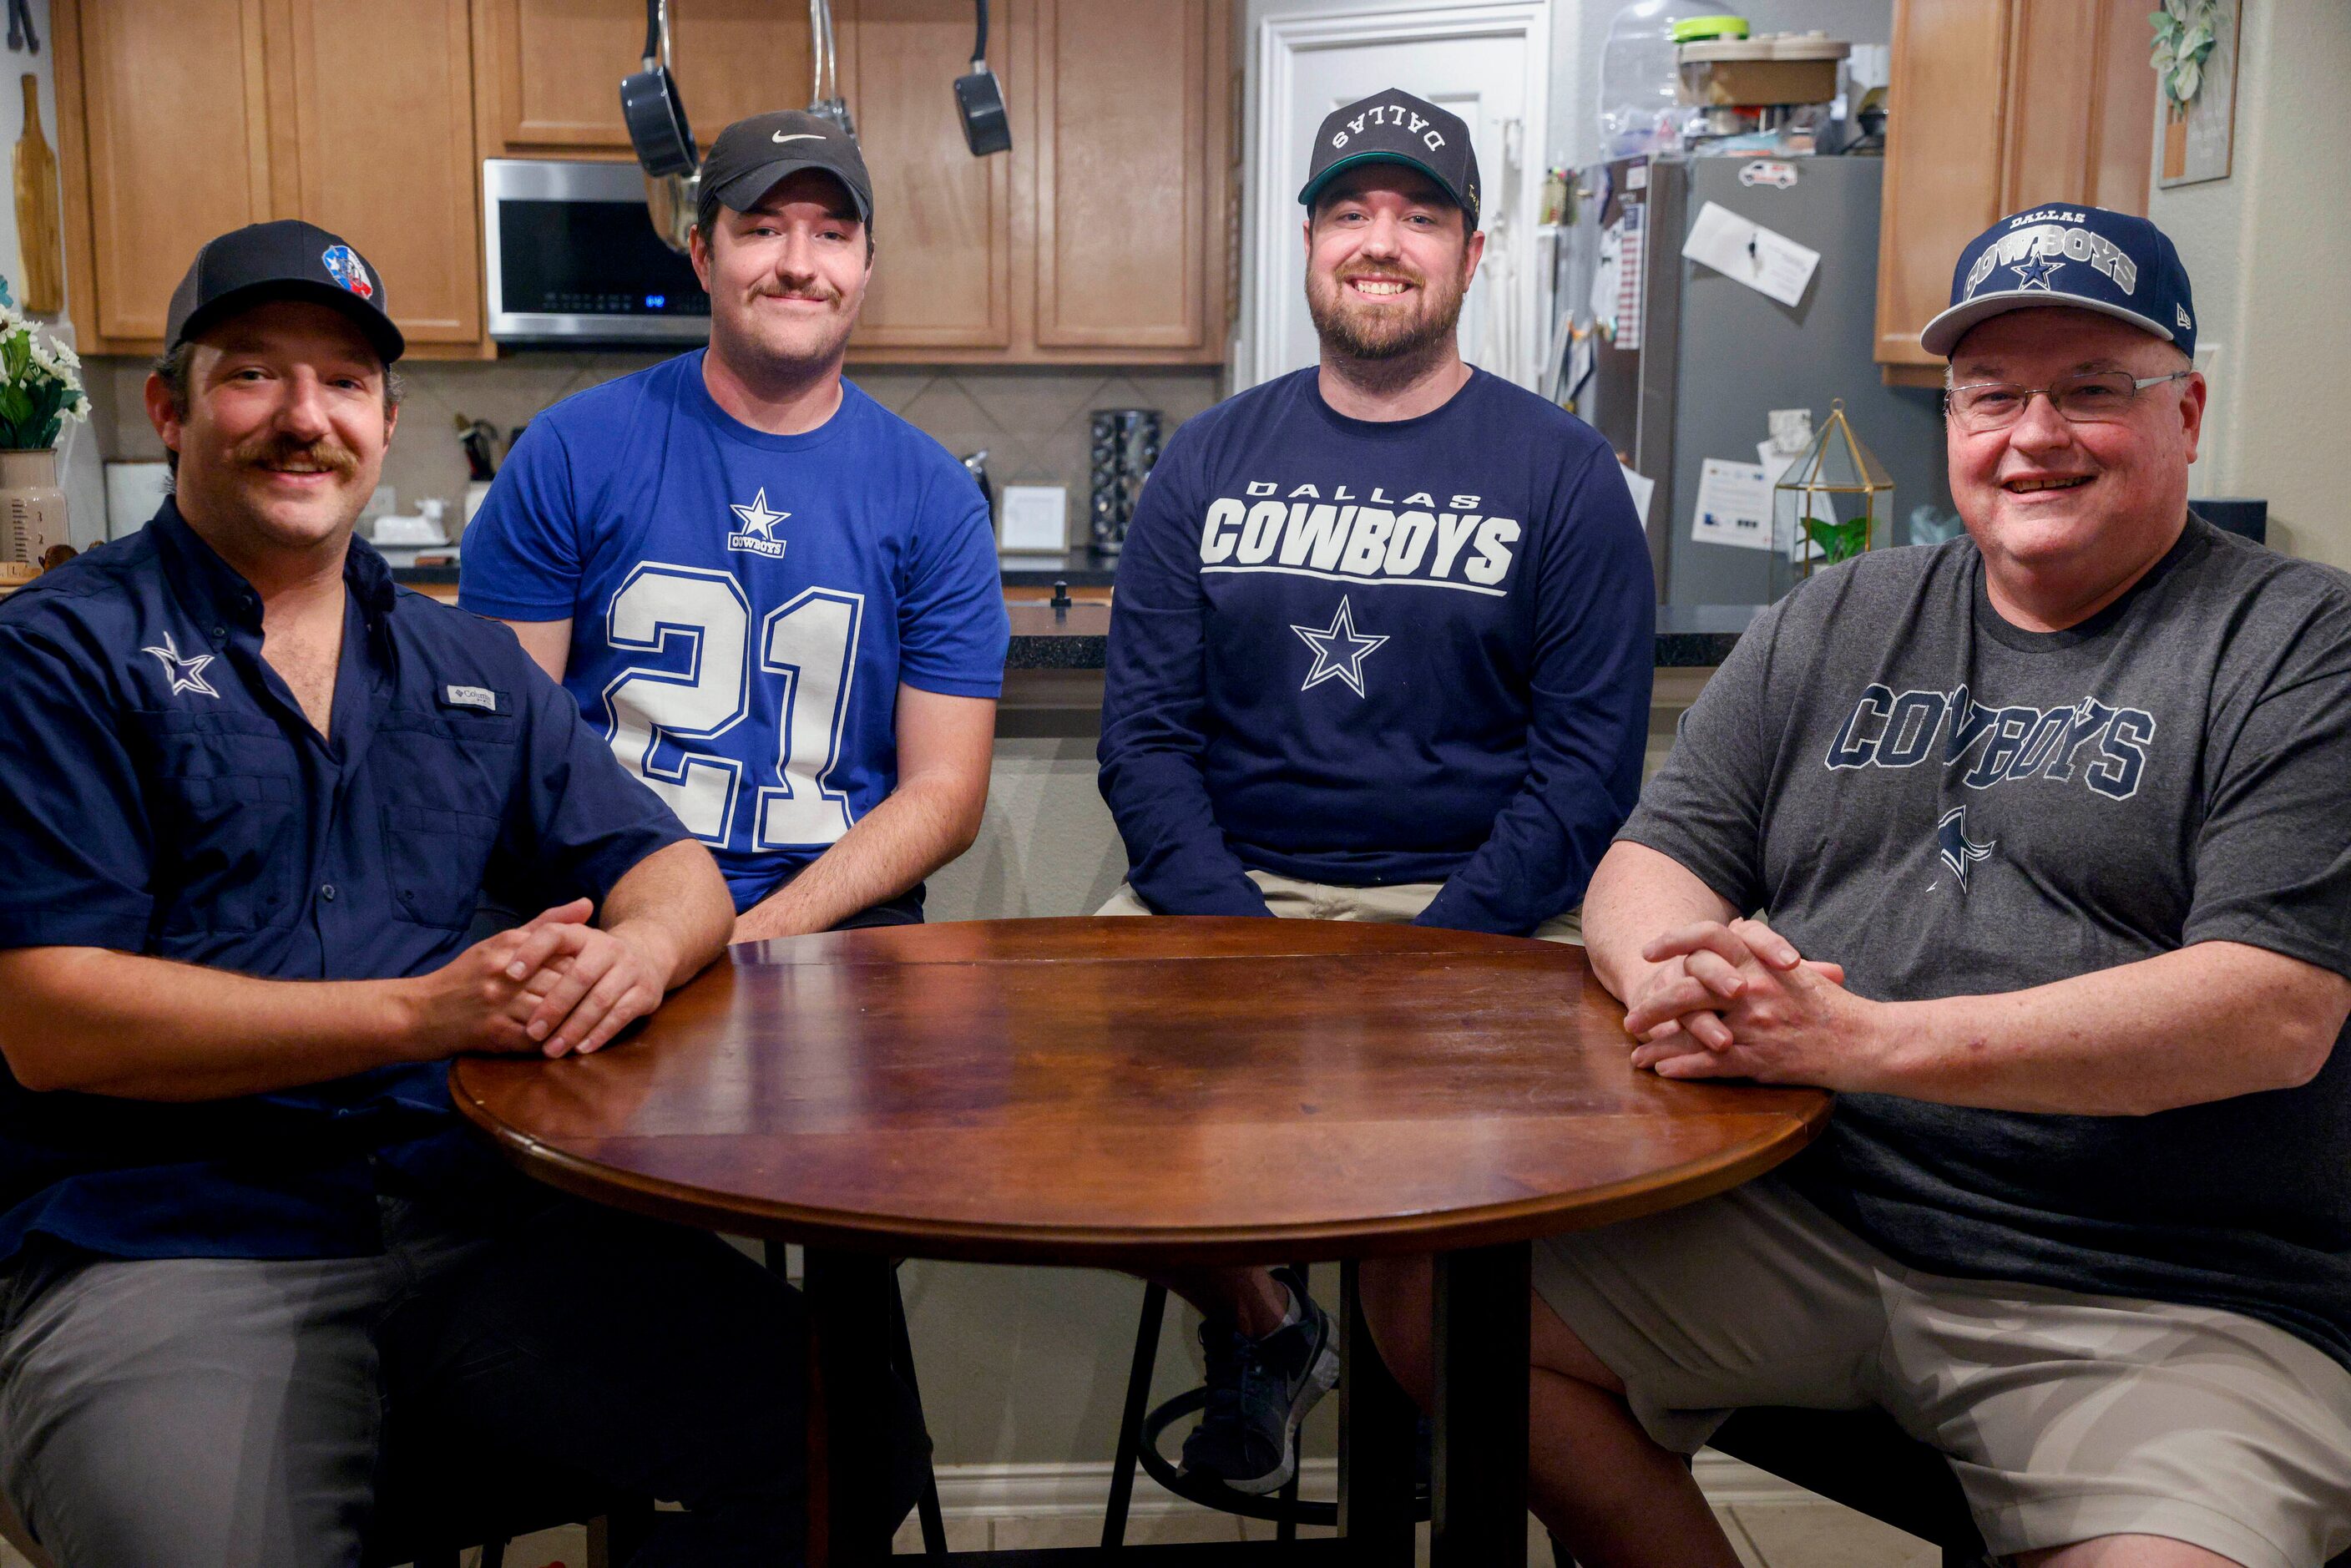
point(287, 260)
point(751, 155)
point(1394, 127)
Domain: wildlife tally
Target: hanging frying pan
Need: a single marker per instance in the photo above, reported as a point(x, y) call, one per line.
point(652, 107)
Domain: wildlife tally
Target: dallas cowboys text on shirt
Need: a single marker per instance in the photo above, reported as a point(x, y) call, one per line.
point(1361, 532)
point(1998, 745)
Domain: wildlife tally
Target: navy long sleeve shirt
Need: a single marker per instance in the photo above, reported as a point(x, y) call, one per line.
point(1364, 653)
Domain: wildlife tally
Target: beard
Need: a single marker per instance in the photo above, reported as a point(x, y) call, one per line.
point(810, 341)
point(1359, 331)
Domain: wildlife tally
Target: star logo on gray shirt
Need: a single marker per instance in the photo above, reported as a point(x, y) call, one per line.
point(1339, 649)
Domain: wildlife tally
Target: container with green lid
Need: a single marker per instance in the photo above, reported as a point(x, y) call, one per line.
point(1701, 29)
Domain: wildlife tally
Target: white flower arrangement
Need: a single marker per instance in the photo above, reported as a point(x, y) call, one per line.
point(40, 382)
point(2185, 31)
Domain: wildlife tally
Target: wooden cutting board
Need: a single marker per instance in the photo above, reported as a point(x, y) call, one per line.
point(44, 291)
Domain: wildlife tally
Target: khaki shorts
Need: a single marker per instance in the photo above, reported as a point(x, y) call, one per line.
point(2065, 1416)
point(1394, 904)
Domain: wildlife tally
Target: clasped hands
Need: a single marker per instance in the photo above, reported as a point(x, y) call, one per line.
point(1737, 1001)
point(556, 986)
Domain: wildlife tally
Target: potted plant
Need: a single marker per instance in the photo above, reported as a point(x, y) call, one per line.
point(40, 388)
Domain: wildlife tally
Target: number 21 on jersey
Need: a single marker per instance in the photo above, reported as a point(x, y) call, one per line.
point(810, 642)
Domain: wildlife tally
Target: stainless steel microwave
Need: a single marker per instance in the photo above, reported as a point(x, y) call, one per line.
point(573, 258)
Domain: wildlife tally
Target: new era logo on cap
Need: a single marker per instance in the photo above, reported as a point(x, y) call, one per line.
point(2080, 257)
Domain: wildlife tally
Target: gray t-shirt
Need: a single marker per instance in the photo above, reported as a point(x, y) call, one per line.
point(1947, 806)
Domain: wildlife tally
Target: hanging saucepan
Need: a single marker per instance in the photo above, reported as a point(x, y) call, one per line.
point(658, 129)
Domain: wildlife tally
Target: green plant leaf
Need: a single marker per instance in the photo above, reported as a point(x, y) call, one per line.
point(1837, 541)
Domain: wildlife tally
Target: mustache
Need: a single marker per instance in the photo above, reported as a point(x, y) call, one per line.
point(273, 449)
point(821, 293)
point(1411, 275)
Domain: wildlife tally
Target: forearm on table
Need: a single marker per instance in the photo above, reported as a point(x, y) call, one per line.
point(926, 822)
point(1636, 895)
point(103, 1022)
point(2205, 1022)
point(673, 906)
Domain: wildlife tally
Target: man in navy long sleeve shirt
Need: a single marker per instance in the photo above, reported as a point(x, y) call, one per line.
point(1382, 650)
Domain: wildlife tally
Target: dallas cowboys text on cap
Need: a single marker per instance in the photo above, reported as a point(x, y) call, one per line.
point(287, 260)
point(2084, 257)
point(751, 155)
point(1394, 127)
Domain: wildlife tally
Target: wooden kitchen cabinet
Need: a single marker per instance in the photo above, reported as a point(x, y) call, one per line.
point(1995, 106)
point(550, 70)
point(167, 124)
point(942, 218)
point(354, 114)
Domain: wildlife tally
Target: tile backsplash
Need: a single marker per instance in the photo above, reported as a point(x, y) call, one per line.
point(1034, 421)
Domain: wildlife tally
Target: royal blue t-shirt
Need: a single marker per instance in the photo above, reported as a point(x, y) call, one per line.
point(1364, 653)
point(745, 606)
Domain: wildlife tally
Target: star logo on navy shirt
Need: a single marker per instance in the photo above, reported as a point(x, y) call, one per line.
point(1339, 649)
point(186, 675)
point(1959, 851)
point(2036, 274)
point(758, 531)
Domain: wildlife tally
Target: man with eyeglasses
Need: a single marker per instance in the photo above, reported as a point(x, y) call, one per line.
point(2049, 825)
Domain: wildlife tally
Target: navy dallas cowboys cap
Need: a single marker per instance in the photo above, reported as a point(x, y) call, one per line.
point(2065, 253)
point(287, 260)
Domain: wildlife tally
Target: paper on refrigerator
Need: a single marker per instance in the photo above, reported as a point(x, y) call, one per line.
point(1746, 252)
point(1734, 505)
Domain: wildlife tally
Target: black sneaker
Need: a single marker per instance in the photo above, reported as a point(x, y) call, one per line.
point(1258, 1393)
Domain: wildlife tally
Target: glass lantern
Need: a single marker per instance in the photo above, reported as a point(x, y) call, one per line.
point(1831, 504)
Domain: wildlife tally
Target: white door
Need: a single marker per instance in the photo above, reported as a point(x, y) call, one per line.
point(1482, 62)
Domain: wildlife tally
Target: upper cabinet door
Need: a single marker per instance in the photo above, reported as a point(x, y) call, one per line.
point(1998, 105)
point(552, 68)
point(942, 218)
point(382, 108)
point(1130, 162)
point(176, 114)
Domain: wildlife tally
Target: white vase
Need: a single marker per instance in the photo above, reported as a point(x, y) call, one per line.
point(32, 510)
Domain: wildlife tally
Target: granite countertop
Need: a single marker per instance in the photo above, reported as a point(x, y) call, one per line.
point(1078, 638)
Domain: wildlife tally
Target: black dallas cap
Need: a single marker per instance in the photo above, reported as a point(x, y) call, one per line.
point(751, 155)
point(1394, 127)
point(288, 259)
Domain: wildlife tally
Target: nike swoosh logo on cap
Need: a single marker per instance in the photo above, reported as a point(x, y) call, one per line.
point(799, 136)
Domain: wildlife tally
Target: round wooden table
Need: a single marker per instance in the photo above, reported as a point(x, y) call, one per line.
point(1136, 1093)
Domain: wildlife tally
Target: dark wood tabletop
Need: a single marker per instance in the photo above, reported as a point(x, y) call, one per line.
point(1108, 1091)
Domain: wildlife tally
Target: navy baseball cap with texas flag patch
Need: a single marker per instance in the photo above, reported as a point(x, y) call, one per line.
point(287, 260)
point(2067, 254)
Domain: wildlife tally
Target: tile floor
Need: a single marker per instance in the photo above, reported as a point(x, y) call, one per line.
point(1768, 1535)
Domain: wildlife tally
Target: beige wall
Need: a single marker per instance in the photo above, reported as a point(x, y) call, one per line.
point(2269, 254)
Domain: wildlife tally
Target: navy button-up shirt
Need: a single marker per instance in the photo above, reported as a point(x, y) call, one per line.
point(163, 793)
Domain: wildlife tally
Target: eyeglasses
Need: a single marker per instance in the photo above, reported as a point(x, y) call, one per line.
point(2100, 399)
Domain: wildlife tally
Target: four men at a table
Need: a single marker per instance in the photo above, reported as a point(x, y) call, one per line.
point(2031, 844)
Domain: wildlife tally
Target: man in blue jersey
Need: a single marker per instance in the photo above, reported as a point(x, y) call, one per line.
point(778, 600)
point(1381, 651)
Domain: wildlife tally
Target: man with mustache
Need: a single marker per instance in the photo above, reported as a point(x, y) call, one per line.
point(2050, 826)
point(253, 794)
point(1381, 651)
point(776, 599)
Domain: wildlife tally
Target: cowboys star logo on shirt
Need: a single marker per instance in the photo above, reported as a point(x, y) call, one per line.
point(1959, 851)
point(756, 531)
point(1339, 649)
point(185, 674)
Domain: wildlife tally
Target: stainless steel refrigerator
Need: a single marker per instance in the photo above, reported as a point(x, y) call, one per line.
point(1716, 355)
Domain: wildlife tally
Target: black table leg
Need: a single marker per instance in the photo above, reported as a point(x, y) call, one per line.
point(848, 1309)
point(1376, 1422)
point(1481, 1516)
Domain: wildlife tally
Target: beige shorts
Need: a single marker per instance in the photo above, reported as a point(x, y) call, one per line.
point(2065, 1416)
point(1394, 904)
